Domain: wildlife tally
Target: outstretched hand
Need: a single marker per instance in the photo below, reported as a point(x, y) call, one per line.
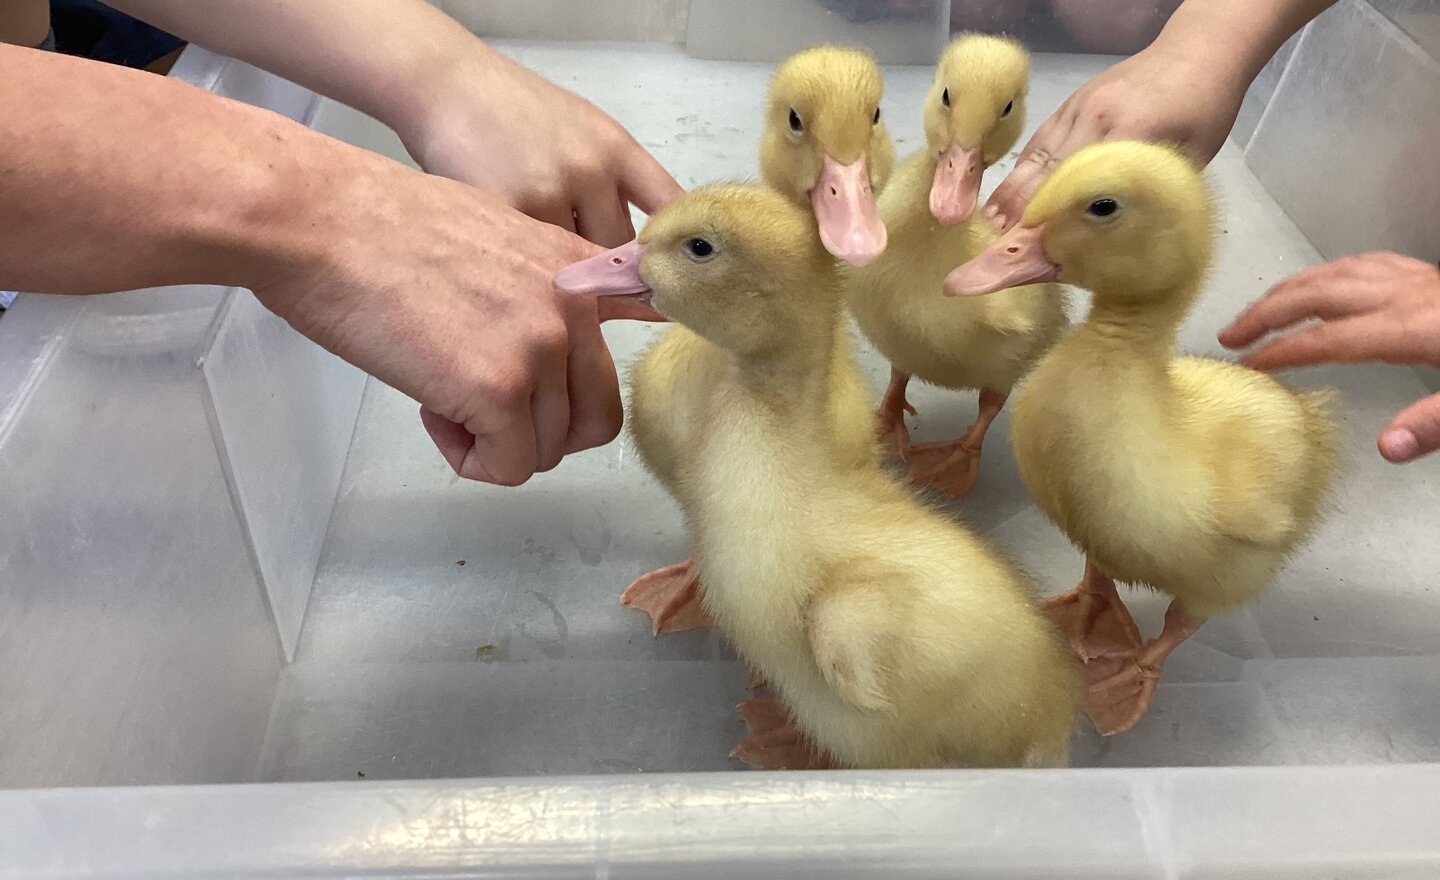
point(1374, 307)
point(1158, 95)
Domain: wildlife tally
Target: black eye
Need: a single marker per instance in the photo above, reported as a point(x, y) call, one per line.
point(1008, 107)
point(876, 120)
point(699, 248)
point(1103, 207)
point(945, 97)
point(795, 124)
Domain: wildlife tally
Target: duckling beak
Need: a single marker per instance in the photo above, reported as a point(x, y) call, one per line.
point(844, 202)
point(614, 277)
point(957, 184)
point(1014, 259)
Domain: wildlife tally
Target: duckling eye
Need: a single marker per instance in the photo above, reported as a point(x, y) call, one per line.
point(876, 120)
point(699, 249)
point(1008, 107)
point(945, 97)
point(795, 124)
point(1105, 207)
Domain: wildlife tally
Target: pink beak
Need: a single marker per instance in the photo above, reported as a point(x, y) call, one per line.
point(614, 277)
point(957, 184)
point(845, 208)
point(1014, 259)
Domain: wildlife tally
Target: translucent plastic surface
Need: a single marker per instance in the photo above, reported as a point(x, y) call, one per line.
point(1276, 824)
point(458, 630)
point(1338, 663)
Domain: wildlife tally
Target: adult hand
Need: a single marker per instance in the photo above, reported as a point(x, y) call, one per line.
point(1159, 94)
point(1374, 307)
point(445, 293)
point(544, 150)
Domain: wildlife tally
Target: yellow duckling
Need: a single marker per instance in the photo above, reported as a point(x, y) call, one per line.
point(894, 637)
point(1195, 477)
point(826, 149)
point(973, 115)
point(825, 144)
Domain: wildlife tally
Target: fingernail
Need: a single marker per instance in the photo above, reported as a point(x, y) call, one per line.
point(1399, 445)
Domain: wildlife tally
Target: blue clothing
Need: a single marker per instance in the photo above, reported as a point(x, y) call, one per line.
point(93, 30)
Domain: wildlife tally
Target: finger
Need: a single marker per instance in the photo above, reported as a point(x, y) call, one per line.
point(604, 219)
point(613, 308)
point(560, 214)
point(550, 411)
point(593, 385)
point(497, 446)
point(453, 441)
point(1293, 300)
point(1346, 341)
point(1040, 158)
point(1414, 432)
point(645, 182)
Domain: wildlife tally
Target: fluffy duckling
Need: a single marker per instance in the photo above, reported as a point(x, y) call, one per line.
point(974, 113)
point(825, 144)
point(893, 636)
point(825, 148)
point(1192, 476)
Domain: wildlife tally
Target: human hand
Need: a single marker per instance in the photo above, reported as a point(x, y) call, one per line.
point(1159, 94)
point(445, 293)
point(545, 150)
point(1373, 307)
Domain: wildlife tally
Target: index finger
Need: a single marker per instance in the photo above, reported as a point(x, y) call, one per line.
point(1051, 144)
point(1354, 340)
point(1298, 298)
point(644, 181)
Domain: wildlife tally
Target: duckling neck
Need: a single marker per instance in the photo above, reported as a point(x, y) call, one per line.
point(1146, 328)
point(791, 378)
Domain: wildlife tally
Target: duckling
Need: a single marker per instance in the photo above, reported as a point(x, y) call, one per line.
point(1192, 476)
point(974, 113)
point(825, 144)
point(826, 149)
point(893, 636)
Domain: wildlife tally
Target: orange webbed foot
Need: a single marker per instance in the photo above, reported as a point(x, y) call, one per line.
point(773, 742)
point(671, 596)
point(952, 467)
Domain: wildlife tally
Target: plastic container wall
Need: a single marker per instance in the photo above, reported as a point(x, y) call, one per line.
point(897, 31)
point(142, 603)
point(134, 635)
point(1346, 138)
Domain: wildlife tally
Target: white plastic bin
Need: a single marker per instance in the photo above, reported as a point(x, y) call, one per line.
point(192, 594)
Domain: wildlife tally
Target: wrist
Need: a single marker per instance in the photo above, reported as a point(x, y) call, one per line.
point(1234, 39)
point(445, 85)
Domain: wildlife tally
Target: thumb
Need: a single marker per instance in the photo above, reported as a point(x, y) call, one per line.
point(1414, 432)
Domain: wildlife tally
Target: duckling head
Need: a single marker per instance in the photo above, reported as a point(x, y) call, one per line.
point(974, 114)
point(738, 264)
point(1130, 221)
point(825, 144)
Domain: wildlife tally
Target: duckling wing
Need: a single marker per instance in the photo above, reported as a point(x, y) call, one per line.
point(854, 631)
point(1258, 438)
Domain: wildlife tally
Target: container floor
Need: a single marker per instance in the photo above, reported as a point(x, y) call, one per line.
point(458, 630)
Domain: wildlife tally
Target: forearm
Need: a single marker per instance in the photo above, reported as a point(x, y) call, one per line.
point(113, 179)
point(387, 58)
point(1244, 33)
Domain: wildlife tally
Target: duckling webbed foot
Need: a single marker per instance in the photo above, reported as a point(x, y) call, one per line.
point(1095, 621)
point(1118, 702)
point(891, 430)
point(950, 467)
point(954, 467)
point(773, 742)
point(671, 596)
